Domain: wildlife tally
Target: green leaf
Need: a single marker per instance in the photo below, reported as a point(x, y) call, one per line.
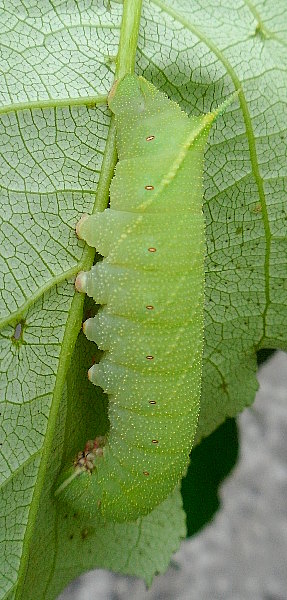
point(76, 543)
point(57, 67)
point(245, 179)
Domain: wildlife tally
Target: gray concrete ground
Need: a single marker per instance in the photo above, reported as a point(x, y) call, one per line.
point(242, 554)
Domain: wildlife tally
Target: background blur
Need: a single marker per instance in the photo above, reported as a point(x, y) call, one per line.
point(241, 554)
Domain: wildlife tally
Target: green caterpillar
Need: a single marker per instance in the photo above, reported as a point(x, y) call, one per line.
point(151, 286)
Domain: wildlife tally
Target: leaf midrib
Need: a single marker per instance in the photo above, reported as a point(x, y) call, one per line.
point(125, 63)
